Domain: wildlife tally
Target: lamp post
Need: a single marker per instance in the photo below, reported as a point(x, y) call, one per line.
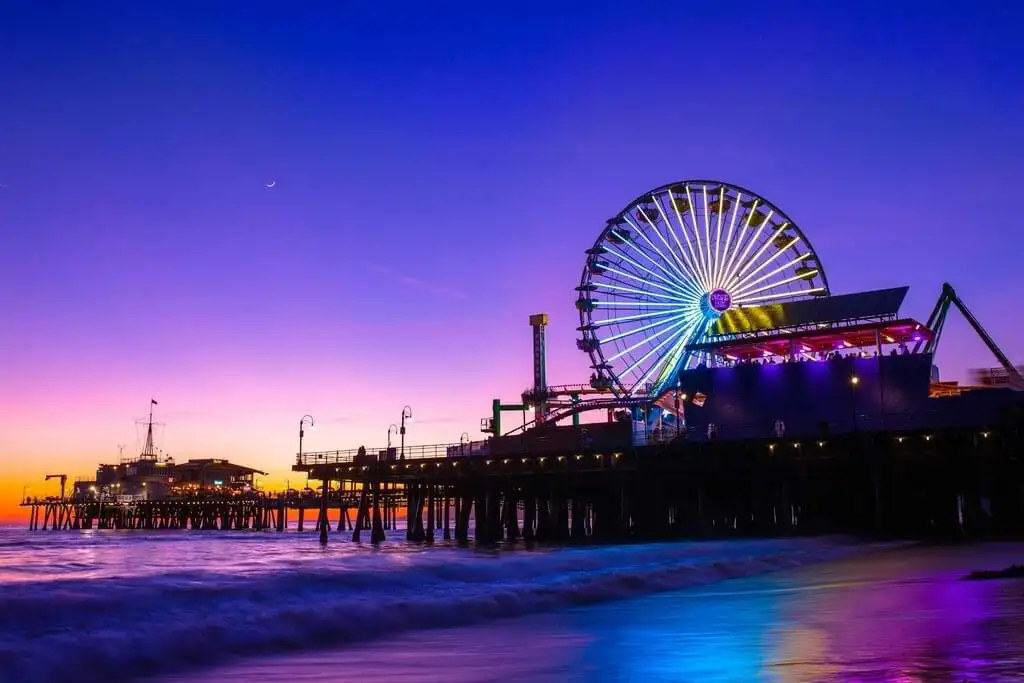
point(463, 441)
point(854, 381)
point(303, 421)
point(406, 415)
point(392, 429)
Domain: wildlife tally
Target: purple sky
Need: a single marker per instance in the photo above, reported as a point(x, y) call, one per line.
point(438, 179)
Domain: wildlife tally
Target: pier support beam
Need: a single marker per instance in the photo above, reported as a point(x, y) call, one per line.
point(322, 522)
point(431, 511)
point(529, 515)
point(447, 511)
point(511, 515)
point(377, 535)
point(362, 514)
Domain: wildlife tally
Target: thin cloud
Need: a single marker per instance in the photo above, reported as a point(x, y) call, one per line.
point(418, 283)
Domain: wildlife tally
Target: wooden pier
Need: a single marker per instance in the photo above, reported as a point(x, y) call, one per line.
point(211, 513)
point(941, 484)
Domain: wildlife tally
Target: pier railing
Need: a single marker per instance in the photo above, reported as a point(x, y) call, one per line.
point(891, 422)
point(440, 450)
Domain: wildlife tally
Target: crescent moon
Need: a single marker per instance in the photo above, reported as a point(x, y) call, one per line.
point(272, 183)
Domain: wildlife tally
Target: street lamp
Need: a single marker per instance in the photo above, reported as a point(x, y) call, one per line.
point(303, 421)
point(463, 441)
point(392, 429)
point(406, 415)
point(854, 381)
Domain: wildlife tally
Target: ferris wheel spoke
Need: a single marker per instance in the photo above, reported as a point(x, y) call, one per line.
point(671, 229)
point(744, 286)
point(707, 234)
point(683, 273)
point(641, 280)
point(782, 295)
point(745, 280)
point(673, 274)
point(744, 236)
point(638, 303)
point(677, 356)
point(630, 304)
point(682, 262)
point(679, 275)
point(802, 276)
point(767, 288)
point(641, 292)
point(743, 262)
point(685, 285)
point(666, 277)
point(628, 318)
point(696, 236)
point(719, 281)
point(679, 337)
point(718, 236)
point(670, 324)
point(770, 242)
point(740, 281)
point(675, 334)
point(672, 331)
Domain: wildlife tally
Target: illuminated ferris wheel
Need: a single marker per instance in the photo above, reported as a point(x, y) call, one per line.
point(670, 264)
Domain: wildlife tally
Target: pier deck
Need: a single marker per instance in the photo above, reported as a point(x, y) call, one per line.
point(951, 483)
point(212, 513)
point(958, 482)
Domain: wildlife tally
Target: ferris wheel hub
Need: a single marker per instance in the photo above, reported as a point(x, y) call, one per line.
point(715, 303)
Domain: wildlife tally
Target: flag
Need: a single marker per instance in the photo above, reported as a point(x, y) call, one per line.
point(154, 401)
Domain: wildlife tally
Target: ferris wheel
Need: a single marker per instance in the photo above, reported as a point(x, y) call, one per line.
point(670, 264)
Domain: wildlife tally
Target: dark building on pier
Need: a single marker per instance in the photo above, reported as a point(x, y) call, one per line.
point(825, 366)
point(148, 479)
point(213, 474)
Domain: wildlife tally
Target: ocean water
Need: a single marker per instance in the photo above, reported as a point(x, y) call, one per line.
point(898, 616)
point(124, 606)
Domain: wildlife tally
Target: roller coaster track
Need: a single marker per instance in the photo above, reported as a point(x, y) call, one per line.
point(937, 320)
point(568, 410)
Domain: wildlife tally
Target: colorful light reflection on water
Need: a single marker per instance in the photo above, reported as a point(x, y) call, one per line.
point(902, 616)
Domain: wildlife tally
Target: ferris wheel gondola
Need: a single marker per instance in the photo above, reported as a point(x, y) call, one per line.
point(669, 265)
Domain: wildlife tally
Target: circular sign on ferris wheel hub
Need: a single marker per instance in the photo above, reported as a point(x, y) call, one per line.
point(720, 300)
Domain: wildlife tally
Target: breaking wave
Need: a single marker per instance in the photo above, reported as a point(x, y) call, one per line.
point(138, 624)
